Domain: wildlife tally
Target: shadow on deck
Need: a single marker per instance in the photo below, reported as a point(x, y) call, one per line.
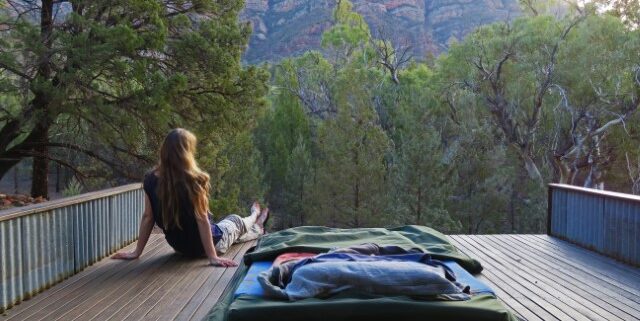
point(537, 276)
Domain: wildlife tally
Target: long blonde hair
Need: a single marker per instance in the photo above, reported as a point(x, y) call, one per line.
point(178, 171)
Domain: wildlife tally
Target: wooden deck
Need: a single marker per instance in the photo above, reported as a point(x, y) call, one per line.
point(538, 277)
point(543, 278)
point(160, 285)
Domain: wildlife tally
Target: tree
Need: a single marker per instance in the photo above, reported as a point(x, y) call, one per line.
point(501, 65)
point(349, 33)
point(421, 177)
point(242, 182)
point(422, 182)
point(598, 92)
point(351, 174)
point(299, 181)
point(391, 56)
point(283, 137)
point(627, 10)
point(560, 95)
point(108, 78)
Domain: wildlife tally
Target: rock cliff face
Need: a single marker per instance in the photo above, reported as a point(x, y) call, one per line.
point(290, 27)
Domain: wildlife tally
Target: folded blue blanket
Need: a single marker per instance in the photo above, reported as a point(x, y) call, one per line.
point(250, 285)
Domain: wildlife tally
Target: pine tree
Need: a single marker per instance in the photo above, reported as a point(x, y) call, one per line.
point(243, 180)
point(299, 185)
point(107, 79)
point(351, 176)
point(422, 182)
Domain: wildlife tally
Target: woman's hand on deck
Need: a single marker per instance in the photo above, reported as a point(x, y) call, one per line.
point(125, 256)
point(220, 261)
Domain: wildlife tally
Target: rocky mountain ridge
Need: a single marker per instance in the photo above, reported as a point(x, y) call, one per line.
point(289, 27)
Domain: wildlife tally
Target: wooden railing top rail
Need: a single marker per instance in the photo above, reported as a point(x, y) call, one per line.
point(623, 196)
point(16, 212)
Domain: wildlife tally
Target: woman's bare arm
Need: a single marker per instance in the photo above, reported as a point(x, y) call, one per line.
point(204, 228)
point(146, 226)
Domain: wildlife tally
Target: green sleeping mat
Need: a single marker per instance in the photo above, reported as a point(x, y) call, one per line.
point(350, 306)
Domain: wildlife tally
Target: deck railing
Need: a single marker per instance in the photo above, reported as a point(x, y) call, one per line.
point(602, 221)
point(43, 244)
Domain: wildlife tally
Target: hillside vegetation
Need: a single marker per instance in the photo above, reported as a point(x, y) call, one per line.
point(360, 132)
point(361, 135)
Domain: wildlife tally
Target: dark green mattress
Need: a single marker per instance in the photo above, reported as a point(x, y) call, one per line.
point(349, 306)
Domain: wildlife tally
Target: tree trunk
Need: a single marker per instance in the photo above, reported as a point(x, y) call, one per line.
point(40, 103)
point(57, 178)
point(531, 168)
point(8, 160)
point(40, 178)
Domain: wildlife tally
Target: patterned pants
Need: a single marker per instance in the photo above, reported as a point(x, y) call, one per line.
point(236, 229)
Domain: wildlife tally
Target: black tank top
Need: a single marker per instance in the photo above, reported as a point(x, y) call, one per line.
point(186, 240)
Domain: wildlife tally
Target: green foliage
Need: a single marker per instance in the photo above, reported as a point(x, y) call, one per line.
point(350, 189)
point(422, 182)
point(114, 76)
point(74, 187)
point(348, 38)
point(243, 181)
point(465, 144)
point(349, 31)
point(299, 185)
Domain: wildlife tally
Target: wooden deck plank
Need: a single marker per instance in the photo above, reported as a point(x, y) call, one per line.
point(208, 300)
point(560, 304)
point(588, 304)
point(582, 268)
point(200, 294)
point(114, 289)
point(17, 313)
point(155, 303)
point(527, 286)
point(514, 290)
point(64, 291)
point(593, 290)
point(504, 292)
point(143, 288)
point(522, 313)
point(139, 306)
point(123, 289)
point(85, 295)
point(184, 291)
point(604, 265)
point(565, 276)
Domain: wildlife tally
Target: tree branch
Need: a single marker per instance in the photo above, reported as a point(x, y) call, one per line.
point(15, 71)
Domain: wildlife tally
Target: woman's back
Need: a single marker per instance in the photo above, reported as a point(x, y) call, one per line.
point(186, 240)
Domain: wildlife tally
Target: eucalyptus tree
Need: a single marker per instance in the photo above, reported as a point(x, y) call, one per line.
point(555, 87)
point(598, 95)
point(511, 68)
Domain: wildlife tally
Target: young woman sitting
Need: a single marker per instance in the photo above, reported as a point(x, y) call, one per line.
point(176, 199)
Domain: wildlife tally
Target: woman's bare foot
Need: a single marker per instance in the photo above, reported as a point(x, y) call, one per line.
point(264, 216)
point(255, 208)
